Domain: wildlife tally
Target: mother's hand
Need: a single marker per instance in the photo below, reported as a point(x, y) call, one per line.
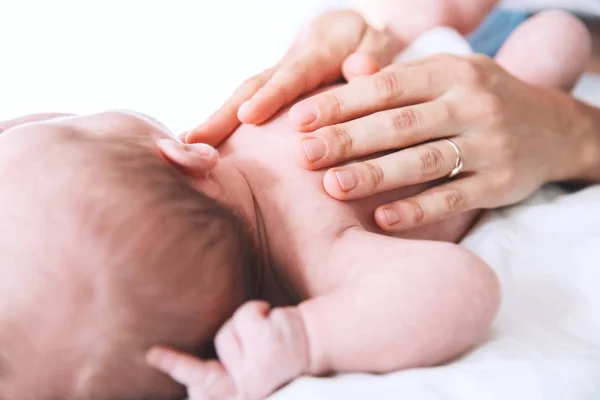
point(513, 137)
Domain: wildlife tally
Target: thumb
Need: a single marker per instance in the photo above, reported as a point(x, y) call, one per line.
point(204, 379)
point(376, 51)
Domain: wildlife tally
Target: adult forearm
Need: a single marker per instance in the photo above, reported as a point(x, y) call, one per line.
point(581, 160)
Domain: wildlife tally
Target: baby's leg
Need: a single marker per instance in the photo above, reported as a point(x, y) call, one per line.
point(551, 49)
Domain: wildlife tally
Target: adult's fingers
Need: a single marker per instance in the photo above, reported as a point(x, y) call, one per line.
point(377, 50)
point(385, 130)
point(358, 64)
point(225, 120)
point(433, 205)
point(394, 86)
point(302, 74)
point(420, 164)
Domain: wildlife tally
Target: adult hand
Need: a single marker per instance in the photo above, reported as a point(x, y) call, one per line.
point(513, 137)
point(337, 44)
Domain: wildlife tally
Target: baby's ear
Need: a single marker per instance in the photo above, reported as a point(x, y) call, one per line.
point(196, 160)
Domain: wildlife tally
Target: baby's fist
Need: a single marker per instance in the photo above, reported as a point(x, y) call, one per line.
point(259, 351)
point(263, 349)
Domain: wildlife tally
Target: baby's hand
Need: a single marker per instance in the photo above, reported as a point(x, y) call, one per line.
point(259, 351)
point(337, 44)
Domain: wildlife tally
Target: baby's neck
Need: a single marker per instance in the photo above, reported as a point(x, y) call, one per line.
point(266, 282)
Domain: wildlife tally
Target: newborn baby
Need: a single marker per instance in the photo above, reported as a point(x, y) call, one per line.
point(106, 250)
point(114, 238)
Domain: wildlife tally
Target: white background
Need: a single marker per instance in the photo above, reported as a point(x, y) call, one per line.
point(176, 60)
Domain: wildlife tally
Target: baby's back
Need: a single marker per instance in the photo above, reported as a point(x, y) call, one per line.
point(303, 223)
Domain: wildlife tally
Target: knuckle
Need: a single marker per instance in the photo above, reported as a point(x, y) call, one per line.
point(255, 82)
point(343, 141)
point(252, 82)
point(431, 162)
point(503, 147)
point(293, 70)
point(454, 201)
point(491, 108)
point(279, 319)
point(506, 180)
point(415, 212)
point(404, 121)
point(448, 112)
point(387, 85)
point(481, 59)
point(373, 174)
point(279, 89)
point(444, 58)
point(333, 106)
point(469, 72)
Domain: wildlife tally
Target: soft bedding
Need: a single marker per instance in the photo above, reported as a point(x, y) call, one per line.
point(178, 60)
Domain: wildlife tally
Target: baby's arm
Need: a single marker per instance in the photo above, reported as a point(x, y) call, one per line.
point(410, 304)
point(405, 304)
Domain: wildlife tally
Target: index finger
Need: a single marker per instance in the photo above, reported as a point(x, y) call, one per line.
point(302, 74)
point(394, 86)
point(225, 120)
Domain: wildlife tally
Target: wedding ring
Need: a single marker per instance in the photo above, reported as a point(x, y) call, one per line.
point(458, 166)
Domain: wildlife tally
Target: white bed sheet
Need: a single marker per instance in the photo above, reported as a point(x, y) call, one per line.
point(177, 60)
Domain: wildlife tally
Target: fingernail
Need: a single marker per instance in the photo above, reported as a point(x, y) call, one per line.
point(314, 148)
point(347, 179)
point(304, 113)
point(391, 215)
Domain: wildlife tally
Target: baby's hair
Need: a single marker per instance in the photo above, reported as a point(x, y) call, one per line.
point(168, 256)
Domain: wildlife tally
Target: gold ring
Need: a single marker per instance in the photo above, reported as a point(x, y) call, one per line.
point(458, 166)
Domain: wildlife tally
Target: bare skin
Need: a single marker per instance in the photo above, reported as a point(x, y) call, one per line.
point(352, 282)
point(348, 297)
point(515, 126)
point(334, 278)
point(334, 255)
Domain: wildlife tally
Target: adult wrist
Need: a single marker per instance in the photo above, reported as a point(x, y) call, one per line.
point(585, 140)
point(577, 156)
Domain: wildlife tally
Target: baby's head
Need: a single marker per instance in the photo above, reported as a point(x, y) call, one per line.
point(106, 249)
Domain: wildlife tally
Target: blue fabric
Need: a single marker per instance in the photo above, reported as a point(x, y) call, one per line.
point(495, 29)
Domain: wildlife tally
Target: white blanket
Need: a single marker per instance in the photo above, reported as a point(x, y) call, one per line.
point(178, 59)
point(545, 344)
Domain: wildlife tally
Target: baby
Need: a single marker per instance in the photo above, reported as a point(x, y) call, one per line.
point(115, 238)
